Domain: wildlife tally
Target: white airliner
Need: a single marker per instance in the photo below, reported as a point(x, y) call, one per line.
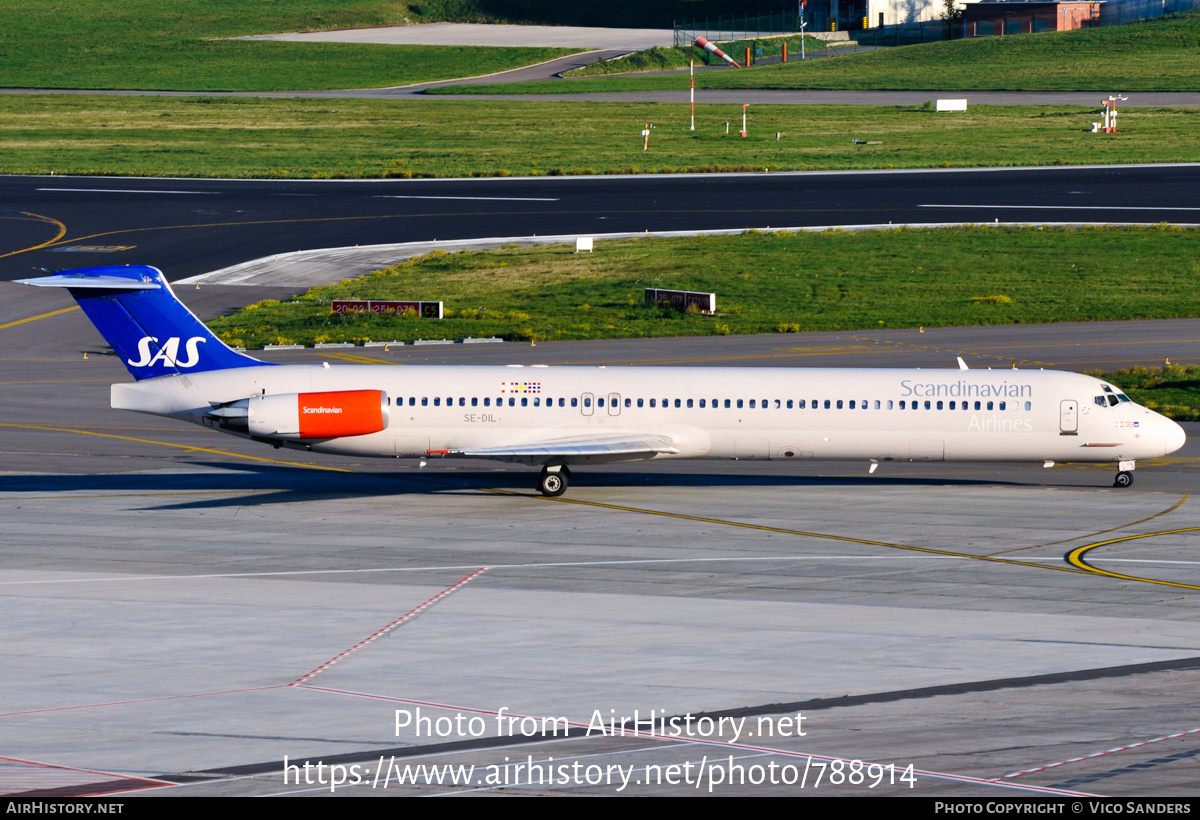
point(556, 417)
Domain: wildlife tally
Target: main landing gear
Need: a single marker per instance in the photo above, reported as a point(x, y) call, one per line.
point(553, 481)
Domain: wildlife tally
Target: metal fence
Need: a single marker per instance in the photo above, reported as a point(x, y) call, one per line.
point(736, 27)
point(1115, 12)
point(907, 34)
point(749, 27)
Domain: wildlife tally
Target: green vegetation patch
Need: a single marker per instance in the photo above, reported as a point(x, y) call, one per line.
point(765, 283)
point(166, 45)
point(1173, 390)
point(320, 138)
point(1158, 55)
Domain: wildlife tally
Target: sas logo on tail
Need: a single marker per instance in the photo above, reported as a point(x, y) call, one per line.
point(168, 352)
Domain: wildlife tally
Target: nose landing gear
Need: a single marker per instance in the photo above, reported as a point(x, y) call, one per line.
point(1125, 476)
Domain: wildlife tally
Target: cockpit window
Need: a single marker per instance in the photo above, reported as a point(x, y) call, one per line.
point(1112, 401)
point(1101, 401)
point(1123, 397)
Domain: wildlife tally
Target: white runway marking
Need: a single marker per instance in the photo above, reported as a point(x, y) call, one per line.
point(558, 564)
point(129, 191)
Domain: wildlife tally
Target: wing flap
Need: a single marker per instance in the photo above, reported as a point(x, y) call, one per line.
point(632, 446)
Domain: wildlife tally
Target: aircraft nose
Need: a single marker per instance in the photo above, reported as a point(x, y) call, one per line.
point(1174, 436)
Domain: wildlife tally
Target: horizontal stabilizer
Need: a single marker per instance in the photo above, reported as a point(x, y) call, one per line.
point(81, 280)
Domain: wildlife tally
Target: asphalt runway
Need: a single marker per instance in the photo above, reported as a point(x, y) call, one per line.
point(189, 227)
point(184, 610)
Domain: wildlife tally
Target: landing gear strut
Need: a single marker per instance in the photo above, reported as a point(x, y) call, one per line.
point(553, 481)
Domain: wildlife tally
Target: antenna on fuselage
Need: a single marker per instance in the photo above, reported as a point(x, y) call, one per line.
point(961, 364)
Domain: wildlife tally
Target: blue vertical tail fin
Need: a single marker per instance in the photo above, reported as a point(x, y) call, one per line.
point(136, 312)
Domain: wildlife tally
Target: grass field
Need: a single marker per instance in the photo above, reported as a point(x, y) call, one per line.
point(1173, 391)
point(157, 44)
point(1159, 55)
point(252, 137)
point(765, 283)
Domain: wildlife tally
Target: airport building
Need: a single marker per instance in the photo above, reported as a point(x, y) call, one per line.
point(997, 18)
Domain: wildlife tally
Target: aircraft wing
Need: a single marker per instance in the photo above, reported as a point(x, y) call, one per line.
point(597, 448)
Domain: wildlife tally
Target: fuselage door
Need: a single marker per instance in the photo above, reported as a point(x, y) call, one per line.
point(587, 404)
point(1068, 417)
point(614, 404)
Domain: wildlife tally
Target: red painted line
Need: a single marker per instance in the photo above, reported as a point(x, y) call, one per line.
point(151, 782)
point(139, 700)
point(403, 619)
point(954, 778)
point(1095, 755)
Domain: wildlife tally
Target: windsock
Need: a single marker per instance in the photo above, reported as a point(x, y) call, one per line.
point(711, 49)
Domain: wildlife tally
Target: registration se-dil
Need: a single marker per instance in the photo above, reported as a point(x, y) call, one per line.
point(557, 417)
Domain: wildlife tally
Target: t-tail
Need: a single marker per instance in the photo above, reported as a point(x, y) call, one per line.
point(136, 312)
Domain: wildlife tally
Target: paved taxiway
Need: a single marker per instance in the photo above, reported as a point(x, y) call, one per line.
point(189, 227)
point(168, 593)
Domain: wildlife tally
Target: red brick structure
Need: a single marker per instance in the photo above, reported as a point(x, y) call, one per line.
point(995, 18)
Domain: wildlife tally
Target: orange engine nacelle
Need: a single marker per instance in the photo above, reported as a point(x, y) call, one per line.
point(318, 415)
